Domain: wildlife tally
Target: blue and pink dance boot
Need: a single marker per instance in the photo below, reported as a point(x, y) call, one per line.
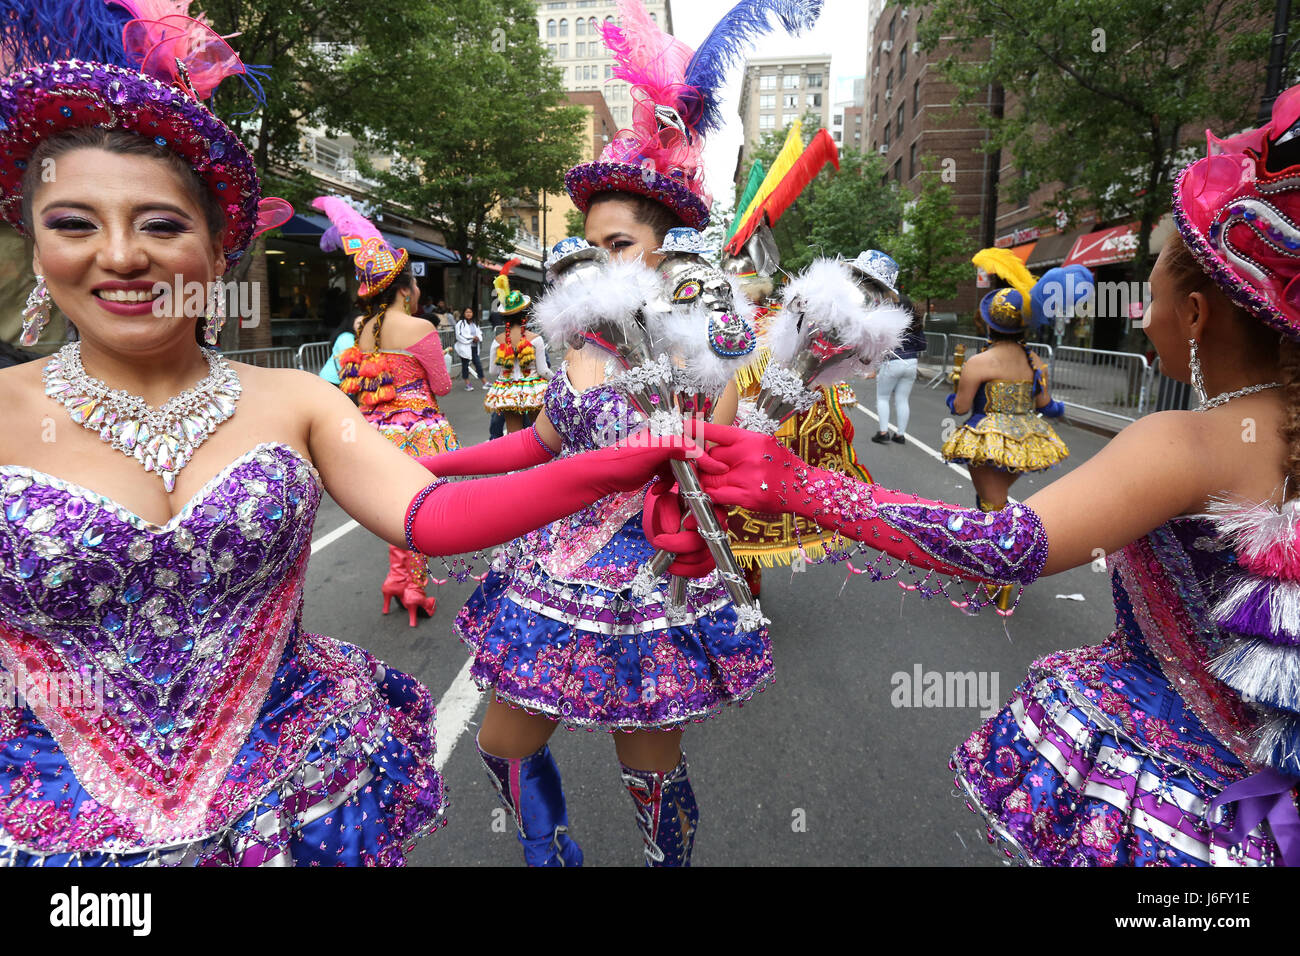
point(665, 811)
point(530, 789)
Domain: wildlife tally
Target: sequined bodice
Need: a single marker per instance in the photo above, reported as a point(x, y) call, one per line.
point(183, 623)
point(599, 417)
point(1165, 584)
point(1006, 398)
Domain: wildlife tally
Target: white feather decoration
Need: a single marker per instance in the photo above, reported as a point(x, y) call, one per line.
point(826, 295)
point(615, 293)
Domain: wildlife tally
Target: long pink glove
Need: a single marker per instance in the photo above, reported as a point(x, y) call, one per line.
point(466, 516)
point(521, 449)
point(1001, 547)
point(661, 517)
point(428, 352)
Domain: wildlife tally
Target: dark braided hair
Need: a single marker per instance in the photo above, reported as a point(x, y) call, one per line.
point(376, 305)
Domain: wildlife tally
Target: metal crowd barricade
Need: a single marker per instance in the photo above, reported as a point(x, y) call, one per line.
point(312, 356)
point(1113, 384)
point(265, 358)
point(936, 353)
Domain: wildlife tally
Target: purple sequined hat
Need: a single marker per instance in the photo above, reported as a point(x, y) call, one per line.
point(587, 179)
point(161, 105)
point(675, 103)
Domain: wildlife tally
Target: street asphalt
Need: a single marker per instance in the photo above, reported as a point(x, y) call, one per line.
point(830, 766)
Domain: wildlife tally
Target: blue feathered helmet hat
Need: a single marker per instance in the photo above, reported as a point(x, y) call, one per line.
point(674, 104)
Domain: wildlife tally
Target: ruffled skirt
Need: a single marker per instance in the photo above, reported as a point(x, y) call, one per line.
point(337, 771)
point(1096, 761)
point(1019, 443)
point(582, 651)
point(521, 396)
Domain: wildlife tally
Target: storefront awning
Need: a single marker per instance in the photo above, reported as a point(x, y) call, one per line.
point(305, 224)
point(1051, 250)
point(1116, 244)
point(1022, 251)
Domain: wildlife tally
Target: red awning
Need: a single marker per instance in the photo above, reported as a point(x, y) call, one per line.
point(1116, 244)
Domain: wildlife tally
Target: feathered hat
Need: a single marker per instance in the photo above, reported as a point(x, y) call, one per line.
point(151, 82)
point(1238, 210)
point(675, 104)
point(509, 301)
point(1005, 310)
point(377, 263)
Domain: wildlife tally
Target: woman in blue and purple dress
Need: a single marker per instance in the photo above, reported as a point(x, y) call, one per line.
point(160, 702)
point(556, 633)
point(1176, 741)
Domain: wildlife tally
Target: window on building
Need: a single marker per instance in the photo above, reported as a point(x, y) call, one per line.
point(564, 51)
point(916, 96)
point(898, 171)
point(838, 136)
point(902, 59)
point(815, 80)
point(609, 71)
point(591, 24)
point(767, 121)
point(815, 99)
point(556, 4)
point(552, 49)
point(885, 139)
point(550, 28)
point(564, 28)
point(654, 18)
point(534, 225)
point(892, 23)
point(790, 81)
point(911, 162)
point(767, 81)
point(889, 80)
point(580, 49)
point(767, 101)
point(579, 27)
point(790, 101)
point(898, 121)
point(839, 119)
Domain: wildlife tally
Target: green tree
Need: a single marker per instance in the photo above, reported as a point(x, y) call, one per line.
point(473, 114)
point(838, 213)
point(934, 246)
point(575, 223)
point(1101, 95)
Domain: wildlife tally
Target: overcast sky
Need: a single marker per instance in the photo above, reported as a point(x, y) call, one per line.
point(841, 31)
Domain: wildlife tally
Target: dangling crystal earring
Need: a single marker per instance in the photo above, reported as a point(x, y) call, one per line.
point(36, 314)
point(1198, 383)
point(216, 314)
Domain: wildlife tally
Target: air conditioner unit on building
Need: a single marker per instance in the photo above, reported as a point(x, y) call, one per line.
point(904, 13)
point(916, 46)
point(875, 73)
point(884, 150)
point(886, 46)
point(889, 95)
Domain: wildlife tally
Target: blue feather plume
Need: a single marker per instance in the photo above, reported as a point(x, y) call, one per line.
point(723, 46)
point(38, 31)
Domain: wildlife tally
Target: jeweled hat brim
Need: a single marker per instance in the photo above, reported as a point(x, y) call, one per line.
point(993, 323)
point(587, 179)
point(402, 259)
point(1233, 285)
point(53, 98)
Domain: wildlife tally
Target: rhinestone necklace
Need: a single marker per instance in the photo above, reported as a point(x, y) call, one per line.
point(1225, 397)
point(162, 439)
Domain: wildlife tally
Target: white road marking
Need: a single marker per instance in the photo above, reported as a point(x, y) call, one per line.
point(326, 540)
point(461, 700)
point(924, 447)
point(454, 712)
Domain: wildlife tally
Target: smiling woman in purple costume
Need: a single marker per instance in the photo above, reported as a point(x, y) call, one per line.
point(157, 502)
point(1176, 741)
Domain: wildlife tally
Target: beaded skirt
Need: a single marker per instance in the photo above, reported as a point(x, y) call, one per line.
point(1110, 755)
point(518, 396)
